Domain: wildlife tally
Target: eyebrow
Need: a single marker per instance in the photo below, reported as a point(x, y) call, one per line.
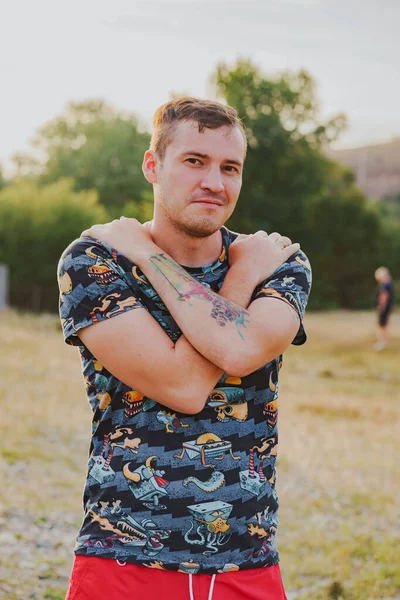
point(231, 161)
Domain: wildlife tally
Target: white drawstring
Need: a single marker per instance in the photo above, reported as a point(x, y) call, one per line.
point(191, 586)
point(210, 591)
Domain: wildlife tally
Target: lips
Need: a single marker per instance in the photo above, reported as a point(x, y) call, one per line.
point(208, 203)
point(207, 200)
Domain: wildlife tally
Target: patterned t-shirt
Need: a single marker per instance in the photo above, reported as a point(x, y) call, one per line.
point(192, 493)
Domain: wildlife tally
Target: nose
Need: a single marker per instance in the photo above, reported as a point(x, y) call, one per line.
point(212, 180)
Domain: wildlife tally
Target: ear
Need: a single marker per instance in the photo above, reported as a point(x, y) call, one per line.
point(149, 166)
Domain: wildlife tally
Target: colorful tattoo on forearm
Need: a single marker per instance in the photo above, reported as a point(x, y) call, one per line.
point(187, 288)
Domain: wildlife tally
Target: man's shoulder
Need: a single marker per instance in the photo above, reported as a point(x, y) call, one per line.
point(87, 246)
point(85, 250)
point(297, 262)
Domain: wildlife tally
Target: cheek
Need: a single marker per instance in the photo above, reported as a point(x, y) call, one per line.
point(183, 180)
point(232, 189)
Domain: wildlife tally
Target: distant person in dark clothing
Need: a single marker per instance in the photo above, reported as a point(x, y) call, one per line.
point(384, 306)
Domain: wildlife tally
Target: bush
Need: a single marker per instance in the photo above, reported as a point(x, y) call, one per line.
point(37, 222)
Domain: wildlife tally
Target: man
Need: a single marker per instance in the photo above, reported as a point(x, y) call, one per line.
point(384, 306)
point(180, 497)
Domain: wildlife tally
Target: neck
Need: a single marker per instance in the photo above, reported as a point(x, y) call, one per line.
point(184, 249)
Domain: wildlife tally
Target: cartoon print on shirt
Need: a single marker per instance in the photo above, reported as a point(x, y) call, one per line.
point(290, 298)
point(98, 382)
point(229, 403)
point(197, 464)
point(170, 420)
point(271, 407)
point(133, 403)
point(263, 530)
point(207, 445)
point(189, 566)
point(271, 412)
point(65, 284)
point(304, 263)
point(147, 288)
point(103, 271)
point(123, 437)
point(216, 481)
point(147, 484)
point(68, 324)
point(213, 525)
point(138, 277)
point(229, 567)
point(111, 306)
point(127, 531)
point(155, 564)
point(256, 482)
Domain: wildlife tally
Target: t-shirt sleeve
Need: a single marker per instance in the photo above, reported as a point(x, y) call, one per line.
point(93, 287)
point(291, 283)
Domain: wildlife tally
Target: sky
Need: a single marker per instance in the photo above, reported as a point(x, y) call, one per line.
point(136, 53)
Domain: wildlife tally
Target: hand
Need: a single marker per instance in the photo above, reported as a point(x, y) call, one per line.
point(128, 236)
point(260, 254)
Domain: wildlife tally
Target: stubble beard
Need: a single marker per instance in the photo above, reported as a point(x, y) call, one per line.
point(195, 228)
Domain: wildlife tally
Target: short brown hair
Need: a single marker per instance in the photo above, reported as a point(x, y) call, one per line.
point(206, 113)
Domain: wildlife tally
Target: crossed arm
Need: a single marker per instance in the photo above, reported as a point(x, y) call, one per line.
point(221, 334)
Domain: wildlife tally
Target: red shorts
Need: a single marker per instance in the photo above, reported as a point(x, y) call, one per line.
point(105, 579)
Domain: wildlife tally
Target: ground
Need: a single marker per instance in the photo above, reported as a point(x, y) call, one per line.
point(337, 468)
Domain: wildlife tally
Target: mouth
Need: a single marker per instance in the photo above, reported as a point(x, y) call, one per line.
point(132, 410)
point(131, 532)
point(208, 202)
point(102, 277)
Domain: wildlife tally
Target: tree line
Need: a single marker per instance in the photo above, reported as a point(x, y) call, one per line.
point(89, 171)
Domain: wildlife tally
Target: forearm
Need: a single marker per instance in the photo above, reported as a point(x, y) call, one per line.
point(190, 393)
point(214, 325)
point(236, 289)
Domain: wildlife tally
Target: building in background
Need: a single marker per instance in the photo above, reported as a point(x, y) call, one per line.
point(376, 167)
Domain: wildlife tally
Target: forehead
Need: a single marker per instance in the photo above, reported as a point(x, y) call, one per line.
point(224, 143)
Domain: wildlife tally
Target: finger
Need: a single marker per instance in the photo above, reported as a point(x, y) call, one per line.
point(287, 241)
point(88, 232)
point(274, 236)
point(91, 232)
point(289, 250)
point(241, 236)
point(261, 233)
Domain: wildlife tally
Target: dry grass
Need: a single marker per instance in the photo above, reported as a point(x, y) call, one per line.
point(338, 473)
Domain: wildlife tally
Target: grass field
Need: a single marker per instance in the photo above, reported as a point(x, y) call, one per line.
point(338, 466)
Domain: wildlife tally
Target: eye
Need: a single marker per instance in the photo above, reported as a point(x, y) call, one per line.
point(231, 169)
point(193, 161)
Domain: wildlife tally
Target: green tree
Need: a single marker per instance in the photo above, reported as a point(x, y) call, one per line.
point(344, 238)
point(289, 185)
point(284, 167)
point(97, 146)
point(3, 182)
point(37, 222)
point(389, 208)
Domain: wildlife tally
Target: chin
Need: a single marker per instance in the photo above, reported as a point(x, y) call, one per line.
point(200, 228)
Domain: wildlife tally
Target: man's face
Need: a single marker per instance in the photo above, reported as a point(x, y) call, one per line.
point(199, 179)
